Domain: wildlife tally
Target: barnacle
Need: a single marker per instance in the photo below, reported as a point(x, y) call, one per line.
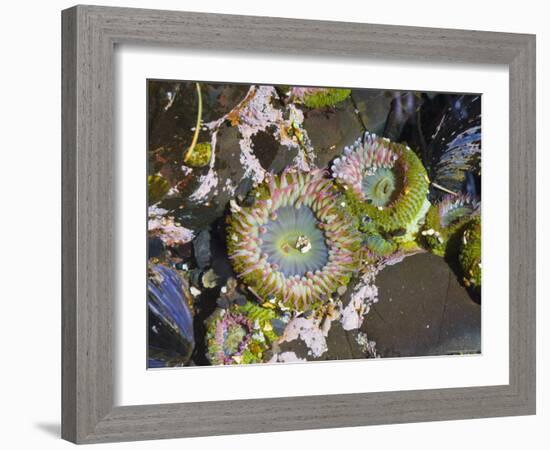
point(469, 255)
point(296, 244)
point(383, 181)
point(445, 221)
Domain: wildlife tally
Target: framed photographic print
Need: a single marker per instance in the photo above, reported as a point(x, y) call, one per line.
point(308, 219)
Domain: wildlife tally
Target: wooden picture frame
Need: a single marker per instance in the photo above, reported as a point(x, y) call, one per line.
point(90, 34)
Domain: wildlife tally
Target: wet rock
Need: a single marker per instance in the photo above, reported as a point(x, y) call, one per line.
point(404, 107)
point(239, 299)
point(219, 99)
point(423, 310)
point(373, 107)
point(223, 302)
point(170, 105)
point(155, 247)
point(219, 260)
point(278, 326)
point(241, 193)
point(331, 129)
point(199, 195)
point(273, 156)
point(204, 197)
point(195, 276)
point(201, 249)
point(341, 345)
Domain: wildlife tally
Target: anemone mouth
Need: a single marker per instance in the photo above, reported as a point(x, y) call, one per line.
point(232, 339)
point(293, 241)
point(379, 186)
point(386, 180)
point(296, 243)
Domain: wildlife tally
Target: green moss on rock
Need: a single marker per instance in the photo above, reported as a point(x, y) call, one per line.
point(157, 188)
point(200, 155)
point(325, 97)
point(469, 255)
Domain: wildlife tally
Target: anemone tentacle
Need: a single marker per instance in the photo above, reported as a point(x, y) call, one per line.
point(296, 242)
point(446, 220)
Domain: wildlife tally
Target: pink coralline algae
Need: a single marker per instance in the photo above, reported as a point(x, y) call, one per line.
point(256, 113)
point(286, 357)
point(164, 226)
point(309, 331)
point(363, 296)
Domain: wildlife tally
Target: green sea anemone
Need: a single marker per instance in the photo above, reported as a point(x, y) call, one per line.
point(445, 222)
point(384, 182)
point(240, 334)
point(228, 337)
point(296, 245)
point(469, 255)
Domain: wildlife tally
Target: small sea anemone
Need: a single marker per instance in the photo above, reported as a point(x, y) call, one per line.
point(228, 336)
point(240, 334)
point(296, 244)
point(445, 221)
point(383, 181)
point(469, 255)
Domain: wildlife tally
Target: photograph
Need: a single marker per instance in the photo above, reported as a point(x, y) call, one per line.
point(300, 224)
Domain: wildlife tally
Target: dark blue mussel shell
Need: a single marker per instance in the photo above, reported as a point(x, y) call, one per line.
point(456, 147)
point(170, 321)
